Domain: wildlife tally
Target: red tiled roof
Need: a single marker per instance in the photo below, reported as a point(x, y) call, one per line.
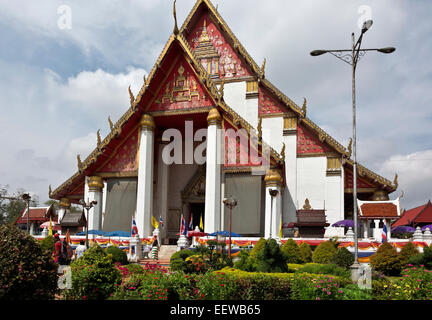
point(36, 214)
point(379, 210)
point(411, 215)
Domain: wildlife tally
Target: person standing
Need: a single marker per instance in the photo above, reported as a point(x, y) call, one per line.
point(80, 249)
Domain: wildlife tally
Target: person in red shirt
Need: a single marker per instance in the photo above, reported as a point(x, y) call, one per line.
point(57, 247)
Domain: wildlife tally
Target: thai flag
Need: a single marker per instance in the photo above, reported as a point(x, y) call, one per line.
point(183, 229)
point(384, 234)
point(160, 222)
point(191, 223)
point(134, 228)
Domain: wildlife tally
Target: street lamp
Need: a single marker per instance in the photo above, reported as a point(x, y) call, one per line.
point(26, 197)
point(87, 205)
point(352, 58)
point(273, 193)
point(230, 202)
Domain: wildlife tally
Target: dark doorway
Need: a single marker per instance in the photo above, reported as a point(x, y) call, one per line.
point(196, 210)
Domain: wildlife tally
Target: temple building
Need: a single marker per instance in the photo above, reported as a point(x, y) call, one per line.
point(207, 124)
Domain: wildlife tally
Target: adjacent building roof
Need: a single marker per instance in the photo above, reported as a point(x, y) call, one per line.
point(415, 216)
point(41, 214)
point(379, 209)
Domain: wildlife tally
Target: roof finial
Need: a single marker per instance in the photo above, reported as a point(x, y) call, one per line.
point(98, 139)
point(304, 108)
point(221, 89)
point(110, 123)
point(263, 68)
point(79, 162)
point(49, 191)
point(283, 151)
point(132, 98)
point(350, 148)
point(395, 181)
point(176, 30)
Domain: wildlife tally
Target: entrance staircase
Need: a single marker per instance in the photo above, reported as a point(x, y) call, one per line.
point(164, 255)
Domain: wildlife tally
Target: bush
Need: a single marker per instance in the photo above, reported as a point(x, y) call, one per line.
point(424, 258)
point(408, 251)
point(386, 260)
point(177, 260)
point(324, 253)
point(305, 252)
point(118, 255)
point(330, 269)
point(47, 244)
point(353, 292)
point(94, 276)
point(343, 258)
point(244, 262)
point(26, 270)
point(270, 258)
point(292, 251)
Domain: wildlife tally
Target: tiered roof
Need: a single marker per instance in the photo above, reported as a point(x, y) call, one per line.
point(415, 216)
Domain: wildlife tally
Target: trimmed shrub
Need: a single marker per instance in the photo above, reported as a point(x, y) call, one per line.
point(47, 244)
point(324, 253)
point(386, 260)
point(293, 267)
point(330, 269)
point(244, 261)
point(94, 276)
point(118, 255)
point(408, 251)
point(26, 270)
point(424, 258)
point(305, 252)
point(292, 251)
point(343, 258)
point(270, 258)
point(177, 260)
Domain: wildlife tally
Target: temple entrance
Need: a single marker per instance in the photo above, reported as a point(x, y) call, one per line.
point(197, 211)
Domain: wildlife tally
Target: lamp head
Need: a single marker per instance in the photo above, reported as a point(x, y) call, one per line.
point(81, 202)
point(387, 50)
point(317, 53)
point(366, 25)
point(26, 196)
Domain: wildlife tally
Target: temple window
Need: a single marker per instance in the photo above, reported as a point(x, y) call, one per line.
point(251, 89)
point(289, 125)
point(333, 165)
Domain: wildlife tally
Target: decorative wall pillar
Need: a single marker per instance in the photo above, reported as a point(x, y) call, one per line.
point(95, 187)
point(162, 192)
point(64, 205)
point(377, 231)
point(273, 204)
point(145, 177)
point(213, 197)
point(388, 226)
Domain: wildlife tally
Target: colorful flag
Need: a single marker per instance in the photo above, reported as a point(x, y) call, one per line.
point(160, 222)
point(155, 223)
point(134, 228)
point(201, 223)
point(183, 229)
point(191, 222)
point(50, 228)
point(384, 234)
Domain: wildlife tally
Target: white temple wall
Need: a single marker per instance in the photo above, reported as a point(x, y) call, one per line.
point(311, 181)
point(334, 204)
point(272, 131)
point(235, 97)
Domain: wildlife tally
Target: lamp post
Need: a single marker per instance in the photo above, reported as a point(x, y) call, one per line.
point(273, 193)
point(230, 202)
point(87, 205)
point(352, 56)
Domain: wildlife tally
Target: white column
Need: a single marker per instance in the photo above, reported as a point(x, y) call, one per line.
point(95, 186)
point(222, 223)
point(388, 226)
point(145, 177)
point(213, 197)
point(365, 229)
point(273, 205)
point(162, 192)
point(377, 231)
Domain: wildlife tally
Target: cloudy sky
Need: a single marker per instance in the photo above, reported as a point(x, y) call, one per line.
point(60, 78)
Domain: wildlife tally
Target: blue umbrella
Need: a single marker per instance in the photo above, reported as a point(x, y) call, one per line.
point(118, 234)
point(345, 223)
point(224, 233)
point(403, 229)
point(96, 232)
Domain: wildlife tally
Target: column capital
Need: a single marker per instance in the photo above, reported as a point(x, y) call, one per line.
point(147, 122)
point(64, 202)
point(95, 183)
point(214, 117)
point(273, 178)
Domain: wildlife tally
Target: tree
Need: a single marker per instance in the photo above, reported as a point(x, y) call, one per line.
point(292, 251)
point(11, 209)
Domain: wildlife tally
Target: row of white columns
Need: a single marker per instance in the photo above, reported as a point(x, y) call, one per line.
point(213, 195)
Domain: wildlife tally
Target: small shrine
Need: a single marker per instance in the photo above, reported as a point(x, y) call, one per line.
point(311, 223)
